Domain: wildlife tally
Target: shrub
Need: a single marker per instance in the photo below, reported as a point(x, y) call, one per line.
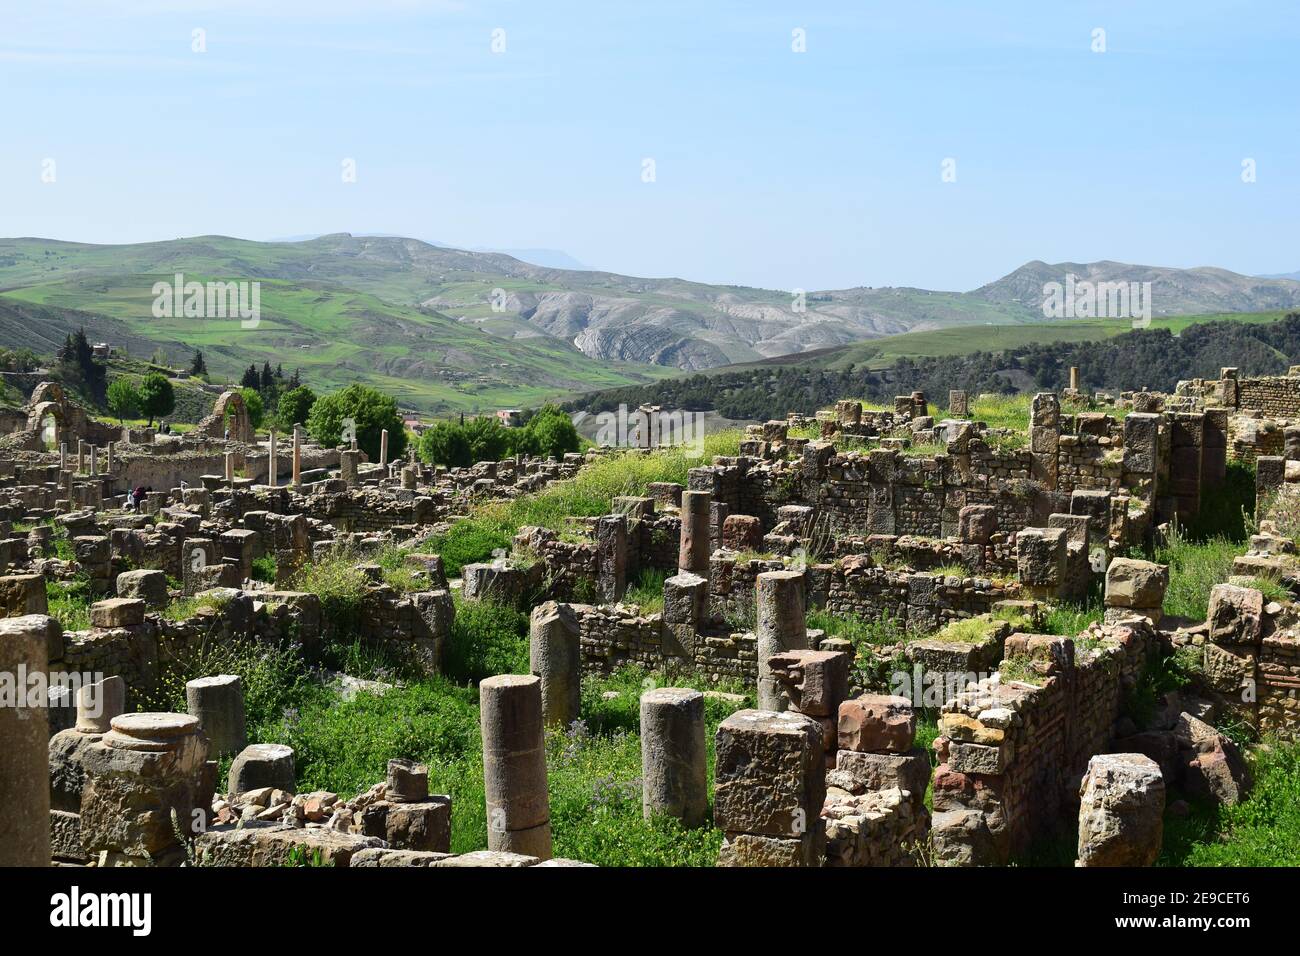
point(469, 541)
point(345, 746)
point(341, 587)
point(123, 398)
point(255, 406)
point(274, 676)
point(264, 569)
point(486, 639)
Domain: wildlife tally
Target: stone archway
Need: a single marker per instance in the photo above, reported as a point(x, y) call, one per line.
point(231, 413)
point(46, 420)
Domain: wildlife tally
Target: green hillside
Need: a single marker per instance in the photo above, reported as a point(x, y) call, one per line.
point(937, 343)
point(335, 335)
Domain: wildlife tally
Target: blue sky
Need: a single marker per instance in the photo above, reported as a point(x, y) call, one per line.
point(819, 169)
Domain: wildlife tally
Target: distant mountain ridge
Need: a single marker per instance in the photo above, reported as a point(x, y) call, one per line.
point(1173, 291)
point(604, 316)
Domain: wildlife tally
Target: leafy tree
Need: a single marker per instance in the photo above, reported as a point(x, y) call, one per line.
point(256, 409)
point(370, 412)
point(446, 444)
point(123, 399)
point(251, 379)
point(197, 365)
point(489, 440)
point(294, 407)
point(550, 432)
point(157, 397)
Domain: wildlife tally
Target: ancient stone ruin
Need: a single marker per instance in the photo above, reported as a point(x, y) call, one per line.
point(963, 536)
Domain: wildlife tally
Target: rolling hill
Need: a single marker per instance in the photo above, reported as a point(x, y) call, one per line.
point(448, 329)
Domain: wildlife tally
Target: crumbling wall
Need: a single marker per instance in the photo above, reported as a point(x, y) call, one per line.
point(1012, 751)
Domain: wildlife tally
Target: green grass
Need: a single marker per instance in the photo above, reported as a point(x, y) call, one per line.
point(968, 630)
point(1067, 619)
point(184, 608)
point(647, 591)
point(1263, 830)
point(1195, 567)
point(492, 525)
point(1020, 669)
point(69, 602)
point(486, 639)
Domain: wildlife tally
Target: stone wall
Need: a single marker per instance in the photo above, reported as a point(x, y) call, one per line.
point(855, 585)
point(1012, 752)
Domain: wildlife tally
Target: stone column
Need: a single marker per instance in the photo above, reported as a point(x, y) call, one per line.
point(348, 466)
point(24, 748)
point(262, 765)
point(781, 627)
point(1045, 438)
point(81, 455)
point(406, 782)
point(693, 554)
point(1074, 378)
point(554, 655)
point(383, 448)
point(674, 781)
point(218, 703)
point(145, 769)
point(272, 465)
point(514, 765)
point(611, 557)
point(230, 467)
point(63, 456)
point(108, 458)
point(99, 703)
point(297, 456)
point(94, 459)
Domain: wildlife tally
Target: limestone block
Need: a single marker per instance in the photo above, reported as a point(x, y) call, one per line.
point(1235, 615)
point(1134, 583)
point(816, 682)
point(273, 844)
point(877, 722)
point(1122, 804)
point(752, 849)
point(148, 586)
point(864, 772)
point(770, 774)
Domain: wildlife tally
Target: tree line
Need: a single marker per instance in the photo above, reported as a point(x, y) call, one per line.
point(1156, 359)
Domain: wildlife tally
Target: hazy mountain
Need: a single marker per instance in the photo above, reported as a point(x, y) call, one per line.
point(605, 316)
point(1173, 291)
